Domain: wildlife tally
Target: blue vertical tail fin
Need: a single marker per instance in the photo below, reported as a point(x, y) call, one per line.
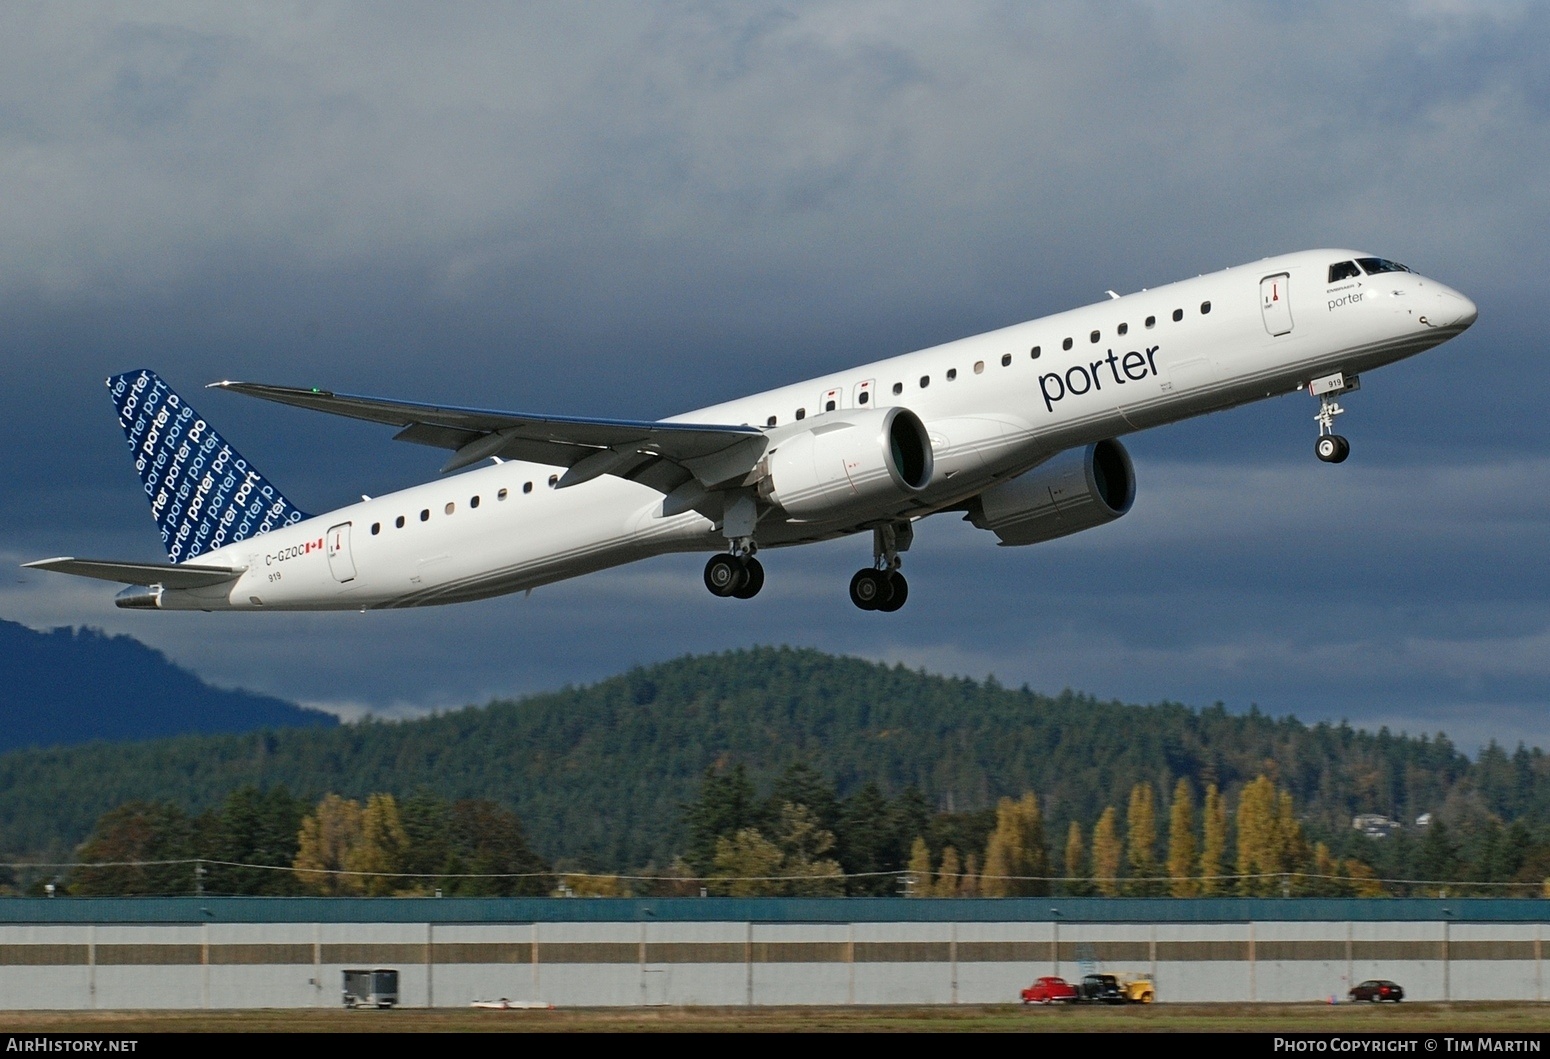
point(202, 492)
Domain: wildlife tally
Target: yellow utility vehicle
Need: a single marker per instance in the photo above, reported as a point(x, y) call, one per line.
point(1137, 988)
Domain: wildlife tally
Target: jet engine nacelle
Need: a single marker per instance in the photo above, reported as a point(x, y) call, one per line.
point(857, 460)
point(1076, 490)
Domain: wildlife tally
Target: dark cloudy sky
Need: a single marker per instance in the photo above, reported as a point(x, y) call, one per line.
point(634, 209)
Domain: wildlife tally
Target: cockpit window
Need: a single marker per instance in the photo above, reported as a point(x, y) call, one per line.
point(1375, 265)
point(1344, 270)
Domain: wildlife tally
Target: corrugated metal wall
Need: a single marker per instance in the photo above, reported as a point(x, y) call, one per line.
point(278, 952)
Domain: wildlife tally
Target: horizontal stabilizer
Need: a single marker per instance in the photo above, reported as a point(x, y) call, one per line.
point(184, 576)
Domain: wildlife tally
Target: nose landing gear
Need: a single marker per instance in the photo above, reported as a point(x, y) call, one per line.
point(881, 586)
point(1331, 447)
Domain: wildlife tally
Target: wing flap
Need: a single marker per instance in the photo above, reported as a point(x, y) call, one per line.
point(182, 576)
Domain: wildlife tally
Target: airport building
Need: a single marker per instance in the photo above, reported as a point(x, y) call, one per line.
point(85, 953)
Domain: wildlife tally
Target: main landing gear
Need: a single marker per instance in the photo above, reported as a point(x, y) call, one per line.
point(881, 586)
point(739, 576)
point(1331, 447)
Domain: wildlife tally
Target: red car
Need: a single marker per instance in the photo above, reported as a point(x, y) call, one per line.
point(1049, 990)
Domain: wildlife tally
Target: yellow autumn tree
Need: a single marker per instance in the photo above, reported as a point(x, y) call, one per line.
point(1213, 842)
point(1016, 862)
point(746, 865)
point(1257, 838)
point(1106, 853)
point(1141, 839)
point(379, 851)
point(323, 846)
point(1077, 884)
point(969, 885)
point(919, 868)
point(950, 879)
point(1181, 842)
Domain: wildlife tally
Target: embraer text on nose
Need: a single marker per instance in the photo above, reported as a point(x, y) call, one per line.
point(1081, 378)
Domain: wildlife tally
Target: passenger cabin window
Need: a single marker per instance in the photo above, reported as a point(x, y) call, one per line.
point(1006, 360)
point(898, 387)
point(376, 528)
point(770, 421)
point(502, 494)
point(1205, 307)
point(1066, 344)
point(1035, 351)
point(1343, 270)
point(473, 501)
point(1151, 321)
point(952, 373)
point(925, 380)
point(1375, 265)
point(979, 367)
point(451, 507)
point(1123, 329)
point(425, 514)
point(1178, 314)
point(554, 480)
point(864, 396)
point(801, 413)
point(828, 406)
point(527, 487)
point(399, 522)
point(1093, 337)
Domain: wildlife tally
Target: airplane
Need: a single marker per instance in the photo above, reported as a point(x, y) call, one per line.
point(1016, 430)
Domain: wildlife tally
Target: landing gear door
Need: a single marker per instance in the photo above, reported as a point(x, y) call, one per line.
point(339, 561)
point(1275, 303)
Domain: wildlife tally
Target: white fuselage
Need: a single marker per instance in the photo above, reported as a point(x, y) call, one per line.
point(992, 407)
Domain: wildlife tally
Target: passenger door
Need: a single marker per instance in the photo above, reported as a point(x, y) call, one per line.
point(1275, 303)
point(339, 561)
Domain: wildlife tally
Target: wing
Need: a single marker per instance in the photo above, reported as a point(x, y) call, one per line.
point(664, 456)
point(184, 576)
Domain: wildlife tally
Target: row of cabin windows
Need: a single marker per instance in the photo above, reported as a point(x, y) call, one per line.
point(1006, 360)
point(451, 506)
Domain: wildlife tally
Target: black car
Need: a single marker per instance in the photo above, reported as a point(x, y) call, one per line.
point(1378, 989)
point(1100, 989)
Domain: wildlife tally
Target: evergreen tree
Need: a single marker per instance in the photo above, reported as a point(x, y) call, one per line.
point(727, 804)
point(1181, 842)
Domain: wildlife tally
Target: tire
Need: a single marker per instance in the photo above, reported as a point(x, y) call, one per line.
point(753, 579)
point(724, 575)
point(866, 589)
point(1345, 450)
point(898, 592)
point(1327, 448)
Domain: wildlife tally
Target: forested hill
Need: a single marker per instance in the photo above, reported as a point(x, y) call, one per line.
point(71, 686)
point(599, 774)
